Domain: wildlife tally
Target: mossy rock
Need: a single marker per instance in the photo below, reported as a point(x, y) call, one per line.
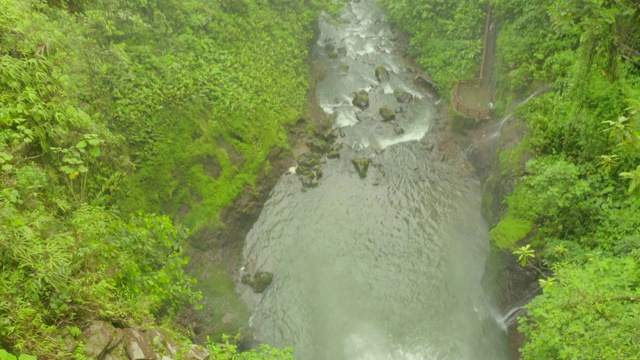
point(402, 96)
point(387, 113)
point(344, 69)
point(361, 99)
point(259, 282)
point(382, 74)
point(362, 166)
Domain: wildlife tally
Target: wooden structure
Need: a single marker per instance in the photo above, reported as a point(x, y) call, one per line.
point(473, 110)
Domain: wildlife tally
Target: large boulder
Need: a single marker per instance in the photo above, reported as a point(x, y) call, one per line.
point(382, 74)
point(259, 282)
point(137, 346)
point(362, 166)
point(361, 99)
point(387, 113)
point(402, 96)
point(99, 338)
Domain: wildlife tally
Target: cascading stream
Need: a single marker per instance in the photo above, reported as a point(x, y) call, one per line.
point(386, 267)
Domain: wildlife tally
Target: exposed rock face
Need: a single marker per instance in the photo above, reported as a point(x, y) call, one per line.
point(361, 100)
point(387, 113)
point(104, 342)
point(382, 74)
point(362, 166)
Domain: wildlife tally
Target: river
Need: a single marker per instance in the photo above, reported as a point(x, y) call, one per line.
point(385, 267)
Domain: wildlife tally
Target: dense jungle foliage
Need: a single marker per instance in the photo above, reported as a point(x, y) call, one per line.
point(579, 194)
point(574, 215)
point(123, 126)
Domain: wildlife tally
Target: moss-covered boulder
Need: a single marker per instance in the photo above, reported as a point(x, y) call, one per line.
point(382, 74)
point(361, 99)
point(387, 113)
point(259, 282)
point(344, 69)
point(402, 96)
point(362, 166)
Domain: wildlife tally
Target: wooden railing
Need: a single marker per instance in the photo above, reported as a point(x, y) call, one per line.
point(457, 101)
point(465, 110)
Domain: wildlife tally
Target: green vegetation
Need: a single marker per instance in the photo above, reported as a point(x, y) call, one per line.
point(579, 190)
point(446, 36)
point(574, 215)
point(122, 123)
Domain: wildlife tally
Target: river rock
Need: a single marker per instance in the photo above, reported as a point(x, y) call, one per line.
point(342, 51)
point(387, 113)
point(361, 99)
point(344, 69)
point(334, 151)
point(382, 74)
point(317, 145)
point(307, 160)
point(362, 166)
point(398, 129)
point(259, 282)
point(402, 96)
point(333, 54)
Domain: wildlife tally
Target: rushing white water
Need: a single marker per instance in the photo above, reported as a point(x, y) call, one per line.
point(386, 267)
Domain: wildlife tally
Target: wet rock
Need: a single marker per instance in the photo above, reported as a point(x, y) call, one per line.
point(333, 154)
point(341, 132)
point(387, 113)
point(361, 99)
point(308, 179)
point(342, 51)
point(333, 54)
point(329, 48)
point(399, 110)
point(259, 282)
point(317, 145)
point(402, 96)
point(307, 160)
point(344, 69)
point(382, 74)
point(318, 171)
point(362, 166)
